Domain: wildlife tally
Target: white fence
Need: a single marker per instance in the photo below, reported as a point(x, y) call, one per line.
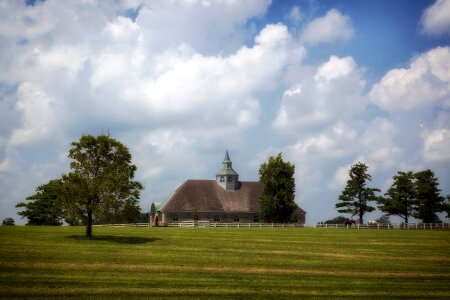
point(124, 225)
point(388, 226)
point(208, 224)
point(231, 225)
point(297, 225)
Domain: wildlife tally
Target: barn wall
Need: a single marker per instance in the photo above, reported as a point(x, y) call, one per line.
point(222, 217)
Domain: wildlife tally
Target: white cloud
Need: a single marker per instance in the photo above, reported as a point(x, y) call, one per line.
point(64, 57)
point(5, 165)
point(314, 103)
point(295, 14)
point(437, 145)
point(436, 18)
point(207, 26)
point(332, 27)
point(335, 142)
point(335, 68)
point(424, 83)
point(37, 113)
point(340, 177)
point(123, 29)
point(193, 86)
point(378, 145)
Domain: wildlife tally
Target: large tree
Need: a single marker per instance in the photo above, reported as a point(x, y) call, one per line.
point(429, 200)
point(277, 198)
point(44, 207)
point(447, 206)
point(356, 195)
point(401, 197)
point(101, 182)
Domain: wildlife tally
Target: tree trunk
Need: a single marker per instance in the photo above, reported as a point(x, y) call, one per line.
point(361, 217)
point(89, 225)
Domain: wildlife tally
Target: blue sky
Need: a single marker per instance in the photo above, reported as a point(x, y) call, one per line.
point(327, 83)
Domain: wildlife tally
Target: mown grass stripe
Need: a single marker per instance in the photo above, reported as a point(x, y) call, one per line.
point(212, 270)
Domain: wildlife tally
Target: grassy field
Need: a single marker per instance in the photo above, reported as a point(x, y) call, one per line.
point(223, 263)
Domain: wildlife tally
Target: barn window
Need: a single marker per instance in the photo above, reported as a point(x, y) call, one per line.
point(222, 179)
point(236, 218)
point(230, 179)
point(216, 218)
point(295, 219)
point(175, 218)
point(256, 219)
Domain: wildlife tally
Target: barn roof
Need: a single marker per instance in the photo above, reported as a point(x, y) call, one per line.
point(208, 196)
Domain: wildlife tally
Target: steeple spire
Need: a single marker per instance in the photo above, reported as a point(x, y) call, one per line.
point(227, 177)
point(227, 157)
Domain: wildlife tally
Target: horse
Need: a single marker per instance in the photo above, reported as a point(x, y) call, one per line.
point(349, 222)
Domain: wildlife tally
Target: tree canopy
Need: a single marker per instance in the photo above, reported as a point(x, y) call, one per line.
point(429, 200)
point(99, 188)
point(8, 222)
point(277, 198)
point(44, 207)
point(356, 195)
point(401, 197)
point(101, 182)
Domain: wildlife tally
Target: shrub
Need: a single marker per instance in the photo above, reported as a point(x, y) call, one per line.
point(8, 222)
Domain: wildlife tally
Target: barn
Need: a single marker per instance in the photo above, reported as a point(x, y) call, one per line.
point(223, 200)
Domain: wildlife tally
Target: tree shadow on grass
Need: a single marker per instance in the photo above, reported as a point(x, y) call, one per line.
point(115, 239)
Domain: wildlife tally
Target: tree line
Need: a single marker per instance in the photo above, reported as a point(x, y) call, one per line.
point(412, 194)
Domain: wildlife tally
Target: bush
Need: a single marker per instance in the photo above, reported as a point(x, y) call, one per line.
point(337, 220)
point(8, 222)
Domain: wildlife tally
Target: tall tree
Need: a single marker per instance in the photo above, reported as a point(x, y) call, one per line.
point(44, 207)
point(401, 197)
point(447, 206)
point(429, 200)
point(101, 181)
point(356, 195)
point(277, 198)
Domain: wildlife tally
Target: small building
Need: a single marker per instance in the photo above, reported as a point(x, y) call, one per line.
point(223, 200)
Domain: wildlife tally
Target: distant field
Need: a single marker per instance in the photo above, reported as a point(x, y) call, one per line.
point(187, 263)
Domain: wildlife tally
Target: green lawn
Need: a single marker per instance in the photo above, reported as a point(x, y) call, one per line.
point(224, 263)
